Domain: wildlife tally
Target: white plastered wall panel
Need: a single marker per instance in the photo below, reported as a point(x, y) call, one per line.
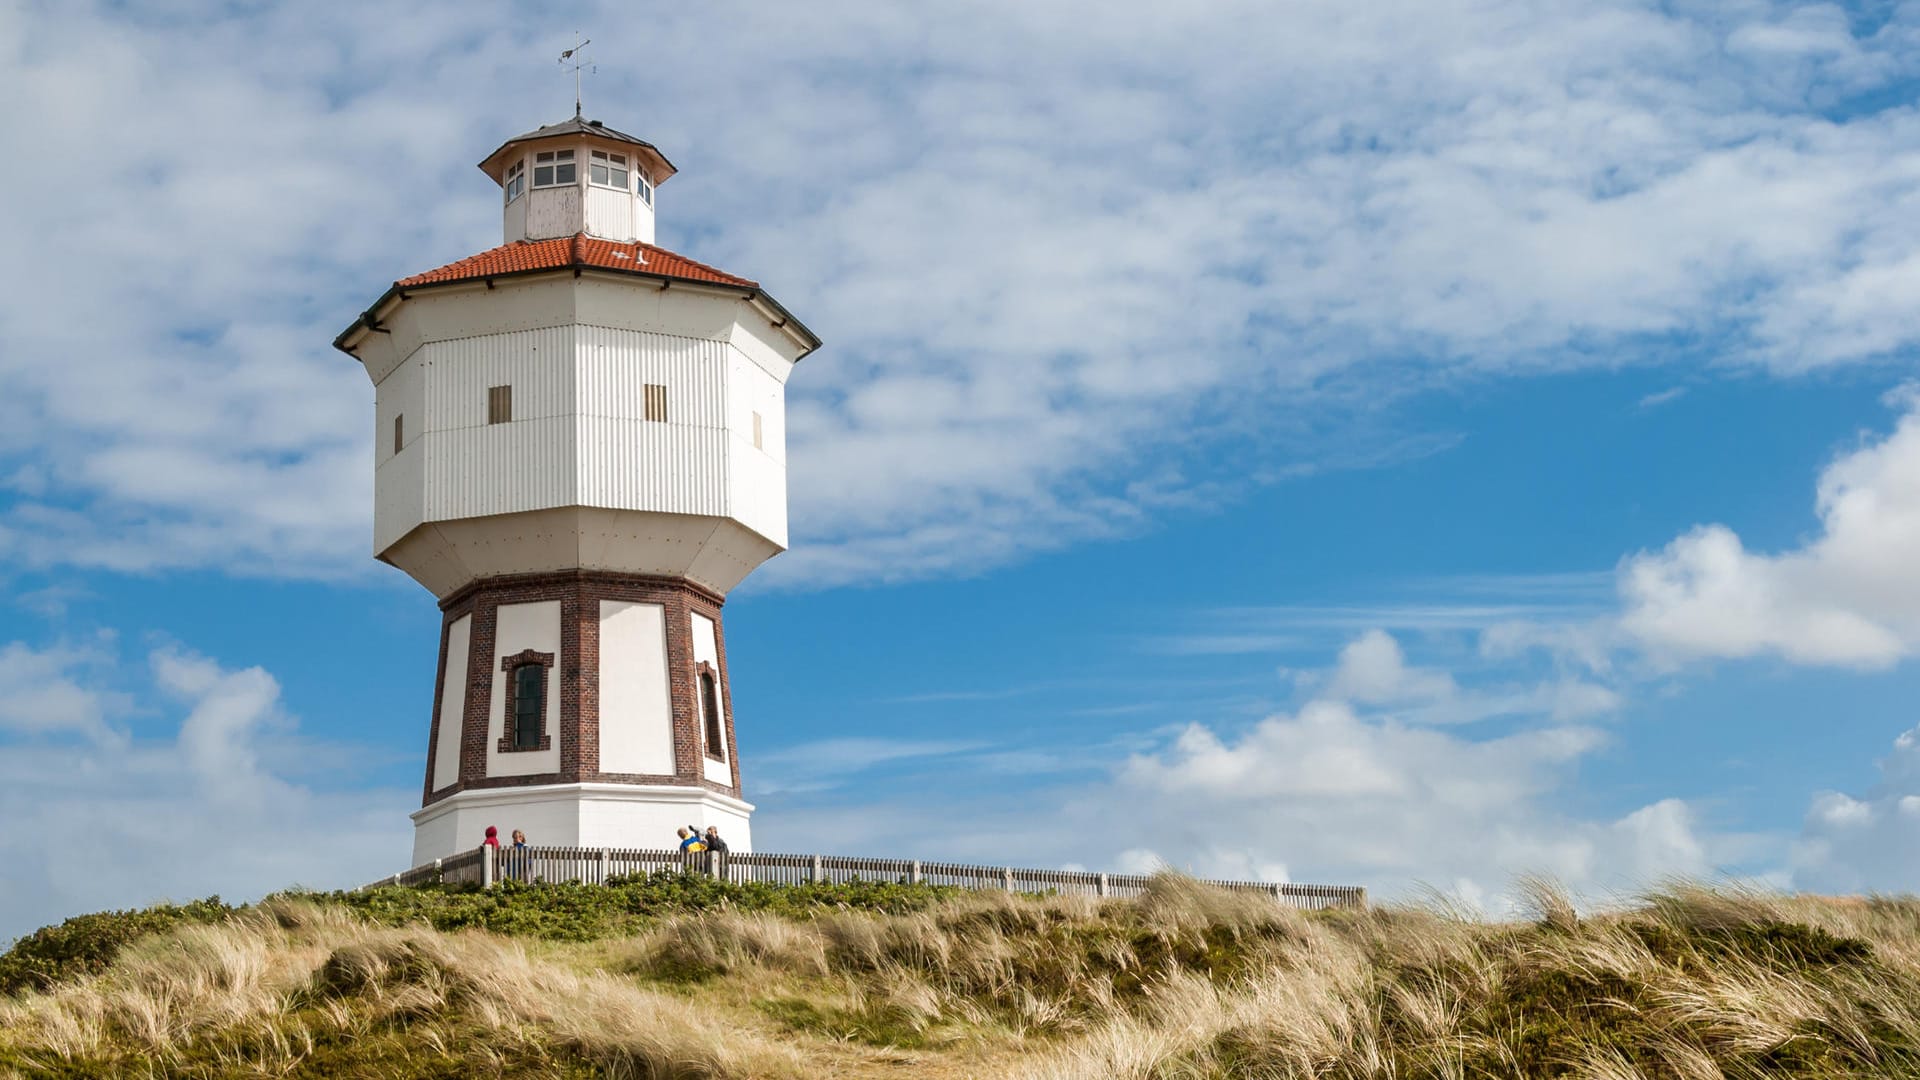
point(629, 462)
point(586, 815)
point(706, 650)
point(681, 309)
point(470, 309)
point(452, 706)
point(636, 706)
point(517, 628)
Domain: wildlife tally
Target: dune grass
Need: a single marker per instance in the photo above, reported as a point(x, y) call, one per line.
point(1184, 982)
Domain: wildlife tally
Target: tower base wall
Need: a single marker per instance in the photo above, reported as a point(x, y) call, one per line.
point(577, 815)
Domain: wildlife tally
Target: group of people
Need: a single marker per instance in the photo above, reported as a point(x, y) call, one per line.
point(692, 839)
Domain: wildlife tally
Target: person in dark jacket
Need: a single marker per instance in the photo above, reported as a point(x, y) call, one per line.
point(714, 843)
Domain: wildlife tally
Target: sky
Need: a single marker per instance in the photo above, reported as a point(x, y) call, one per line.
point(1411, 444)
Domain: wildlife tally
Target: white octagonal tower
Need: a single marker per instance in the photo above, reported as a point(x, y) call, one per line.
point(579, 448)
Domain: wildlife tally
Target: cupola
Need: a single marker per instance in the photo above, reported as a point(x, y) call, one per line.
point(577, 176)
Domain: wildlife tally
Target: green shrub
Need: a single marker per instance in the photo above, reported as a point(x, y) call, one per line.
point(626, 904)
point(86, 944)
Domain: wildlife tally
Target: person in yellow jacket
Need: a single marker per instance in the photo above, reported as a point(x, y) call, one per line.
point(690, 841)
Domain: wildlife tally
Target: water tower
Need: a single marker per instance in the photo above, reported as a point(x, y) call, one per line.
point(579, 448)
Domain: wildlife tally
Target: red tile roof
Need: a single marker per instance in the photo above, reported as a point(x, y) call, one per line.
point(571, 251)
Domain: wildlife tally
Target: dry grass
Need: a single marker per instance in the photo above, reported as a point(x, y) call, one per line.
point(1693, 983)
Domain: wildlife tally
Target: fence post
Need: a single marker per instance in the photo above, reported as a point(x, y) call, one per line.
point(1006, 878)
point(436, 871)
point(396, 880)
point(606, 865)
point(486, 868)
point(913, 875)
point(1100, 886)
point(714, 869)
point(814, 873)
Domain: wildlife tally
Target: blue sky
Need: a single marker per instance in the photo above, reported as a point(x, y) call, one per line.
point(1416, 444)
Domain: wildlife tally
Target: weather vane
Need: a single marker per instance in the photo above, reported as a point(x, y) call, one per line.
point(579, 62)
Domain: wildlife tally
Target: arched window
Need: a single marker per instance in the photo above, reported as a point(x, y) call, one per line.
point(529, 699)
point(525, 725)
point(710, 712)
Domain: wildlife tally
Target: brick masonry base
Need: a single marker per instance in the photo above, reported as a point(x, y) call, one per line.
point(578, 725)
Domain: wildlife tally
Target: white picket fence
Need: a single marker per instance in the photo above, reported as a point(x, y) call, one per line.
point(594, 866)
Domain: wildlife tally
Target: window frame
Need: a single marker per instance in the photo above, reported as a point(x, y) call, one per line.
point(608, 163)
point(713, 720)
point(643, 187)
point(511, 667)
point(500, 404)
point(514, 182)
point(555, 161)
point(399, 431)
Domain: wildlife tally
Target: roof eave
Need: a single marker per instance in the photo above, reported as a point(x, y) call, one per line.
point(371, 318)
point(492, 163)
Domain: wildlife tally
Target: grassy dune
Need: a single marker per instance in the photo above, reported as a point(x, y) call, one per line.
point(690, 978)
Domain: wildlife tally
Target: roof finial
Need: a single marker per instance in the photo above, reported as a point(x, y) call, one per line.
point(578, 63)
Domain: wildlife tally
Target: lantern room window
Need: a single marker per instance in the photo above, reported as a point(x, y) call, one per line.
point(554, 168)
point(607, 170)
point(516, 180)
point(645, 189)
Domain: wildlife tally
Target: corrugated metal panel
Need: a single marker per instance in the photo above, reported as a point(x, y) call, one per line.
point(476, 468)
point(610, 213)
point(629, 462)
point(616, 365)
point(500, 468)
point(637, 465)
point(538, 364)
point(399, 495)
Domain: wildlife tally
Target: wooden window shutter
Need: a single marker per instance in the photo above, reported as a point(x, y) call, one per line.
point(499, 404)
point(657, 402)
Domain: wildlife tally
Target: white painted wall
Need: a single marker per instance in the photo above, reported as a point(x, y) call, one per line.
point(452, 704)
point(520, 627)
point(701, 499)
point(636, 705)
point(578, 815)
point(553, 211)
point(706, 649)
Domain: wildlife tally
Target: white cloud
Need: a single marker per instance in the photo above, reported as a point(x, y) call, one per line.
point(198, 810)
point(45, 698)
point(1373, 671)
point(1850, 596)
point(1333, 791)
point(1870, 843)
point(1062, 254)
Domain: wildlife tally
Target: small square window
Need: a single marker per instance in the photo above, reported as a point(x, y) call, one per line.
point(756, 432)
point(398, 432)
point(499, 404)
point(657, 402)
